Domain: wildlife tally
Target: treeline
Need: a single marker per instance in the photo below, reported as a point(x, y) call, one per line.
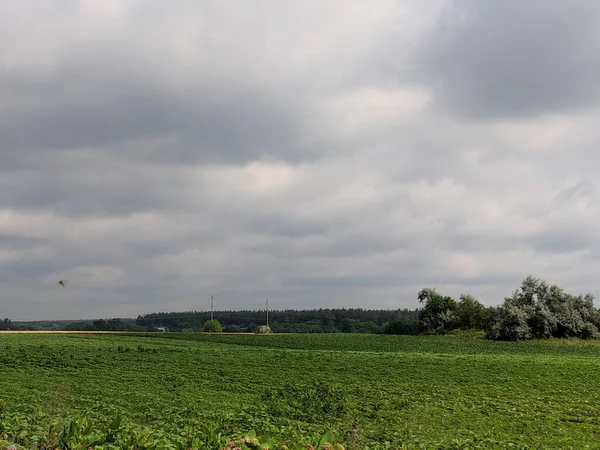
point(341, 320)
point(6, 324)
point(535, 310)
point(107, 325)
point(78, 325)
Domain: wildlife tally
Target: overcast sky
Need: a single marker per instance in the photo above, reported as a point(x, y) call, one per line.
point(321, 153)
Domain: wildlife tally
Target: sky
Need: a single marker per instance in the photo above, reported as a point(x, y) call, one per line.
point(324, 153)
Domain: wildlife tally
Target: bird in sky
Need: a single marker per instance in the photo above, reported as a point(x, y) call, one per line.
point(62, 282)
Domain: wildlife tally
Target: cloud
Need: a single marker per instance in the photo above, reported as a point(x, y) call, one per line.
point(490, 60)
point(320, 153)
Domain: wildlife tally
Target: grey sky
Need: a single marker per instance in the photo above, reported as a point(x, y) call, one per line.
point(322, 153)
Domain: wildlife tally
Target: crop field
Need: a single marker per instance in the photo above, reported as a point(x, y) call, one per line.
point(197, 391)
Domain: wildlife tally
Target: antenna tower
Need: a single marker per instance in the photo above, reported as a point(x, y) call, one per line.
point(267, 311)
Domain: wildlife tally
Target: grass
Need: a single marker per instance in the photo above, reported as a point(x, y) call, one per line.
point(372, 391)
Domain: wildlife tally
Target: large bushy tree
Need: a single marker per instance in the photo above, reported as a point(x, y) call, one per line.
point(441, 312)
point(538, 310)
point(471, 314)
point(438, 310)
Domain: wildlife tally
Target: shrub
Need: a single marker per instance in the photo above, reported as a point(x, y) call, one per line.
point(212, 326)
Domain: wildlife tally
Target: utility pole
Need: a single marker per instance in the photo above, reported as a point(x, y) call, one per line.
point(267, 311)
point(212, 306)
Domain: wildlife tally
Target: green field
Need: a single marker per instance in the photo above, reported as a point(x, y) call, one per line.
point(180, 391)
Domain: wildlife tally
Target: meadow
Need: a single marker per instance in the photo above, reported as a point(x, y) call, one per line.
point(199, 391)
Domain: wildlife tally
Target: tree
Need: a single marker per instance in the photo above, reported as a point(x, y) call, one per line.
point(438, 310)
point(367, 327)
point(401, 327)
point(510, 324)
point(288, 320)
point(537, 310)
point(347, 325)
point(212, 326)
point(471, 314)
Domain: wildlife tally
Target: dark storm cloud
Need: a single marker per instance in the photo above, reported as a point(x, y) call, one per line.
point(495, 59)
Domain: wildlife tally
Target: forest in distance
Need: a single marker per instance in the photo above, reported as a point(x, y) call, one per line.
point(535, 310)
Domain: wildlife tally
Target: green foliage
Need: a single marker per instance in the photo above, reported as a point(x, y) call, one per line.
point(470, 314)
point(314, 402)
point(347, 325)
point(80, 432)
point(282, 321)
point(114, 324)
point(537, 310)
point(401, 327)
point(212, 326)
point(510, 324)
point(367, 327)
point(438, 311)
point(466, 334)
point(377, 392)
point(339, 343)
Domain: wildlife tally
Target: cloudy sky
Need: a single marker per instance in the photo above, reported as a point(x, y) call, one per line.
point(322, 153)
